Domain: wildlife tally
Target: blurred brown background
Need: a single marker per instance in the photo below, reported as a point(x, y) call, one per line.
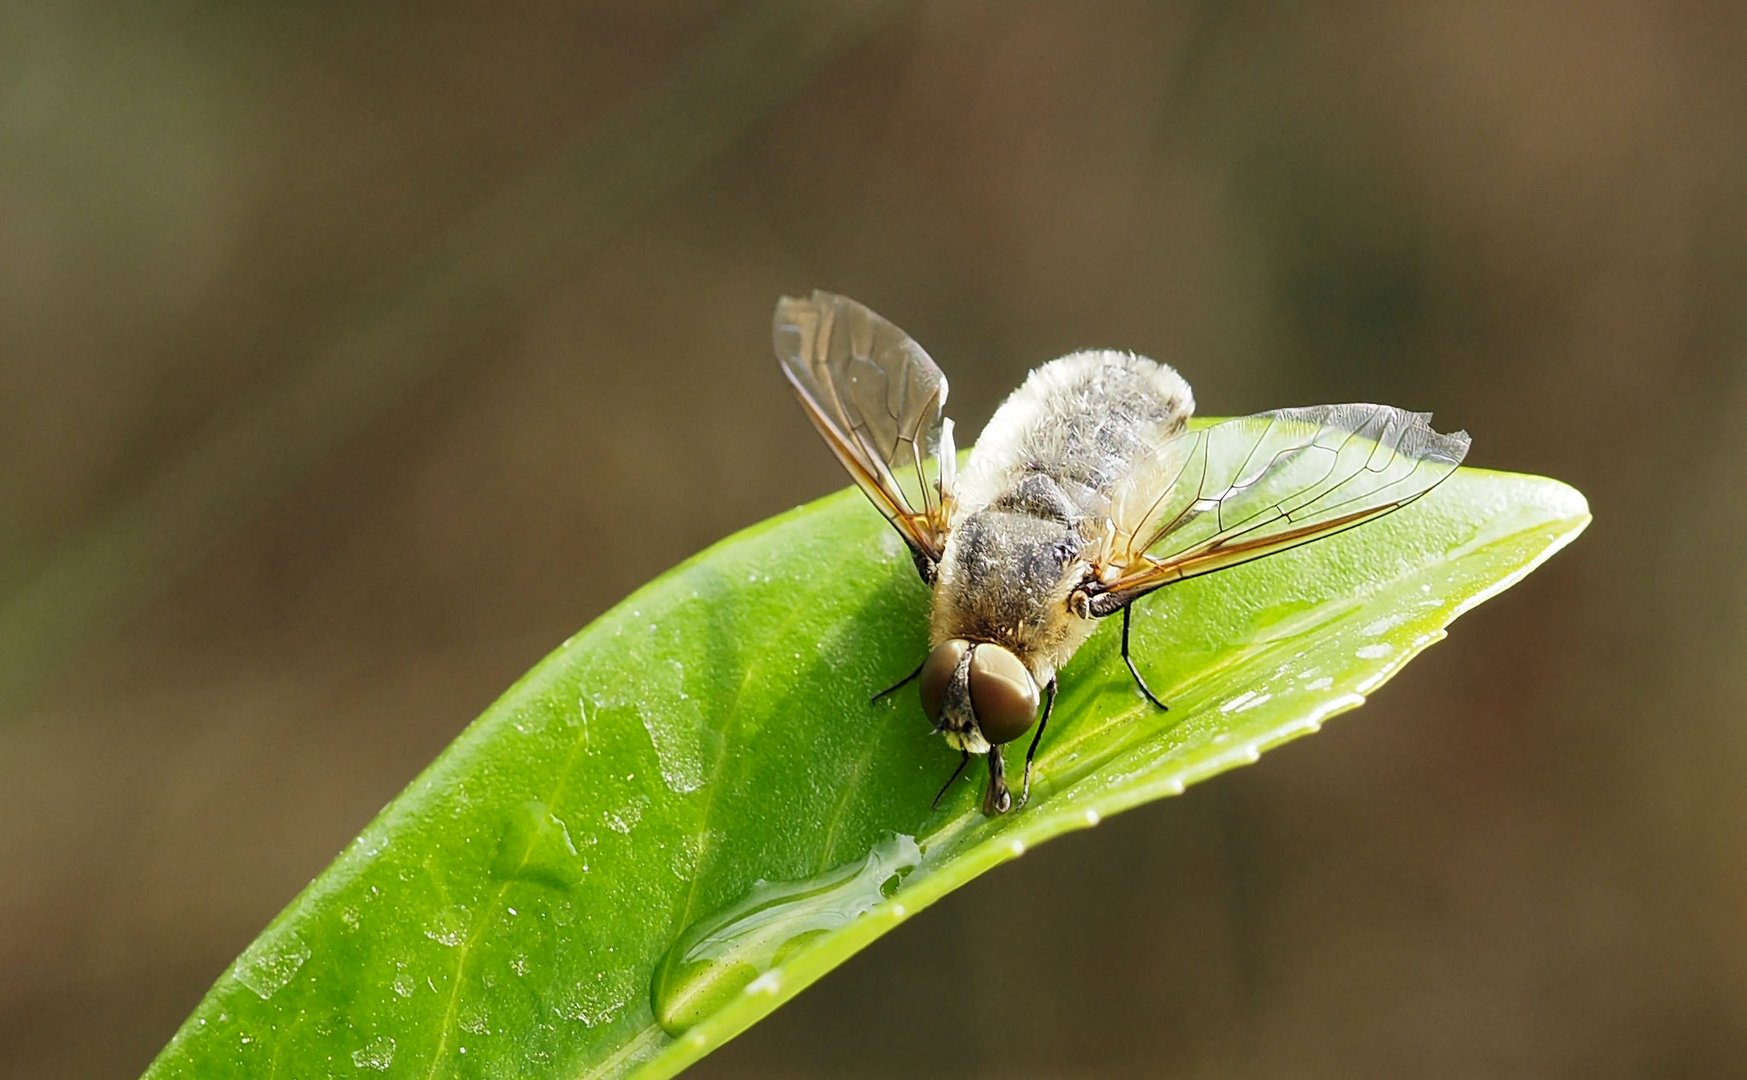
point(350, 359)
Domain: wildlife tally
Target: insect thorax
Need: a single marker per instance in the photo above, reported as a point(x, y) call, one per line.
point(1006, 574)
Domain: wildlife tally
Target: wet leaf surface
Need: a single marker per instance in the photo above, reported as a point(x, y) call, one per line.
point(690, 810)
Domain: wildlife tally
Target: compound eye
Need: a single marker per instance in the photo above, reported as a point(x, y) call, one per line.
point(1003, 695)
point(937, 673)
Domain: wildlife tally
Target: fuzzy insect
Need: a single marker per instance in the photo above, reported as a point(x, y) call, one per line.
point(1086, 492)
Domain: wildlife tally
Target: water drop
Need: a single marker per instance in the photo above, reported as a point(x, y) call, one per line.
point(674, 729)
point(270, 962)
point(689, 854)
point(1016, 846)
point(1249, 699)
point(474, 1021)
point(1372, 652)
point(768, 983)
point(530, 721)
point(598, 1001)
point(370, 843)
point(718, 957)
point(376, 1054)
point(1386, 623)
point(625, 818)
point(1092, 817)
point(448, 927)
point(536, 847)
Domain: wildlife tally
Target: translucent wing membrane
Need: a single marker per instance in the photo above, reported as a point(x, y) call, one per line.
point(877, 399)
point(1246, 488)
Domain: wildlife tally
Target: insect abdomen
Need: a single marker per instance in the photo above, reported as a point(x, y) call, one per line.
point(1082, 420)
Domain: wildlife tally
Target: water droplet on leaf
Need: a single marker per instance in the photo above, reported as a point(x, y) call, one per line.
point(674, 727)
point(270, 962)
point(535, 846)
point(475, 1021)
point(448, 927)
point(377, 1054)
point(625, 818)
point(717, 958)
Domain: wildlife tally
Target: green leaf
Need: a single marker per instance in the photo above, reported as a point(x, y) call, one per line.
point(690, 811)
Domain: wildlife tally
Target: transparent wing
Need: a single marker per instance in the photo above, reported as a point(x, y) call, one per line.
point(1237, 491)
point(877, 399)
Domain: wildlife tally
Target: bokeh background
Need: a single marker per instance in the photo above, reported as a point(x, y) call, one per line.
point(352, 357)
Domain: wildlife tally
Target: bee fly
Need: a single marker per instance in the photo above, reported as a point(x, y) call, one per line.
point(1086, 492)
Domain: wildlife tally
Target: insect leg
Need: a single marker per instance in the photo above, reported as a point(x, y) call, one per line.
point(964, 758)
point(1031, 751)
point(997, 800)
point(899, 685)
point(1127, 612)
